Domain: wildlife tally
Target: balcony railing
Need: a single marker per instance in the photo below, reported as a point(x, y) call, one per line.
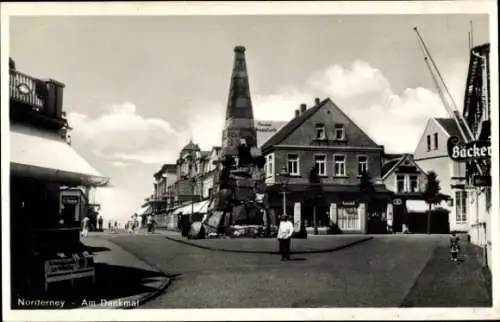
point(31, 97)
point(27, 90)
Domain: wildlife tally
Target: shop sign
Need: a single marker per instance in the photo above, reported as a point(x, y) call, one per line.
point(474, 150)
point(70, 200)
point(482, 181)
point(350, 203)
point(397, 202)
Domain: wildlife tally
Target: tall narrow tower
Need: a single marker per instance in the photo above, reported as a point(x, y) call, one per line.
point(239, 114)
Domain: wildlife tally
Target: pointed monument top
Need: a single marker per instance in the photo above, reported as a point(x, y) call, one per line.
point(239, 113)
point(239, 49)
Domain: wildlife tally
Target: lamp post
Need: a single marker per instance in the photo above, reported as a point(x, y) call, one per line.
point(193, 184)
point(284, 181)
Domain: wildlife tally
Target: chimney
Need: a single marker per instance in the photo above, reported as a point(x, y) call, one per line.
point(297, 113)
point(316, 101)
point(303, 108)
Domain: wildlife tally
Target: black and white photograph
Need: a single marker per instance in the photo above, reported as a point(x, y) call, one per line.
point(319, 160)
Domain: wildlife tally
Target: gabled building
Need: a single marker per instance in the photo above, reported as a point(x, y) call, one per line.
point(324, 137)
point(403, 176)
point(431, 154)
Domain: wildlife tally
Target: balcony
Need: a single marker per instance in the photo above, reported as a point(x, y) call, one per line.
point(37, 101)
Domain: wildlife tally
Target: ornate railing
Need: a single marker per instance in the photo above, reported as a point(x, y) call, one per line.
point(26, 89)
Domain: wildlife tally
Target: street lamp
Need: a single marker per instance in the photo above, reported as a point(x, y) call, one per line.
point(284, 181)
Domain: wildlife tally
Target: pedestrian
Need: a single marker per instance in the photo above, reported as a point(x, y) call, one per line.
point(454, 247)
point(149, 223)
point(85, 226)
point(100, 221)
point(285, 232)
point(116, 226)
point(109, 225)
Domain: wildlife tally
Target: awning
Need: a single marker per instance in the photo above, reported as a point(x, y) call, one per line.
point(145, 211)
point(416, 206)
point(41, 155)
point(198, 207)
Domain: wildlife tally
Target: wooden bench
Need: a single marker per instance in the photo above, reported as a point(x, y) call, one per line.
point(57, 270)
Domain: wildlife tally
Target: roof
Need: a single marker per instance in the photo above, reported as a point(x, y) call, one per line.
point(390, 156)
point(449, 125)
point(291, 126)
point(191, 147)
point(391, 165)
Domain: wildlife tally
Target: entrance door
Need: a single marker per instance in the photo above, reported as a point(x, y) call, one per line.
point(348, 219)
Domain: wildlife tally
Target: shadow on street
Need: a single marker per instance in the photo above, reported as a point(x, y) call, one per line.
point(112, 282)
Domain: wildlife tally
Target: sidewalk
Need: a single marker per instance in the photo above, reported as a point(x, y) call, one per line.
point(442, 281)
point(122, 280)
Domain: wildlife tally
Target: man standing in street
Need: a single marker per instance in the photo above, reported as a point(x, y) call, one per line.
point(100, 221)
point(285, 232)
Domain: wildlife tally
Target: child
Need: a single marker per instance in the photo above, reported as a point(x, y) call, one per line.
point(454, 246)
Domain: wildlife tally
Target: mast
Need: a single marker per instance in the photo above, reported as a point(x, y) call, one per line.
point(445, 95)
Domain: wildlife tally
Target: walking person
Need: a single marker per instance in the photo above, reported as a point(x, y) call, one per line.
point(116, 227)
point(285, 232)
point(149, 223)
point(100, 221)
point(85, 226)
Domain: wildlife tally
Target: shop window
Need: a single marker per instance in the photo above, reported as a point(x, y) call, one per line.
point(293, 164)
point(320, 132)
point(320, 161)
point(348, 219)
point(461, 206)
point(339, 164)
point(362, 164)
point(339, 132)
point(269, 165)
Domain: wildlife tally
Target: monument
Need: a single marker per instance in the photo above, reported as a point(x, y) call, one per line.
point(240, 205)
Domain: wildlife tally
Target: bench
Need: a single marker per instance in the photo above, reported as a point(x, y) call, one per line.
point(57, 270)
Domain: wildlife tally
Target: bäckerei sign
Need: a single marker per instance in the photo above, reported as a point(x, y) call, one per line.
point(459, 151)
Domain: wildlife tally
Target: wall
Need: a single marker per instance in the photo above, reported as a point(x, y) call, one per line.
point(390, 181)
point(421, 151)
point(306, 161)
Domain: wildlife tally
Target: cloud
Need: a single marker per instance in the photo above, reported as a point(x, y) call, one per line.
point(395, 120)
point(116, 204)
point(122, 135)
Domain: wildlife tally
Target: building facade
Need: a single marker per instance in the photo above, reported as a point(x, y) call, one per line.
point(431, 154)
point(49, 181)
point(324, 137)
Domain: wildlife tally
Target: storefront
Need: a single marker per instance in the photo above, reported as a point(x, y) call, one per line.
point(49, 182)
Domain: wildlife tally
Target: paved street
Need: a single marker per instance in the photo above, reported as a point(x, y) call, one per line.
point(380, 272)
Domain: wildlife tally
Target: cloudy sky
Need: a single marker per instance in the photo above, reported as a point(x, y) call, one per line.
point(137, 88)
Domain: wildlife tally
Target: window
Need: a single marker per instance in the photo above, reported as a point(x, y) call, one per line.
point(320, 132)
point(428, 142)
point(362, 164)
point(461, 206)
point(269, 165)
point(436, 145)
point(293, 164)
point(400, 183)
point(339, 132)
point(414, 183)
point(339, 165)
point(320, 161)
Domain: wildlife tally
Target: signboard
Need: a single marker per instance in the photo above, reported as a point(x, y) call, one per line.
point(70, 200)
point(482, 181)
point(296, 216)
point(397, 202)
point(474, 150)
point(349, 203)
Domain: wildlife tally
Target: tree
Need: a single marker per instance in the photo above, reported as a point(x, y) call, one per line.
point(432, 195)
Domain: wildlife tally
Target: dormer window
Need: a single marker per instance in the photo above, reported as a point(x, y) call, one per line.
point(339, 132)
point(320, 132)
